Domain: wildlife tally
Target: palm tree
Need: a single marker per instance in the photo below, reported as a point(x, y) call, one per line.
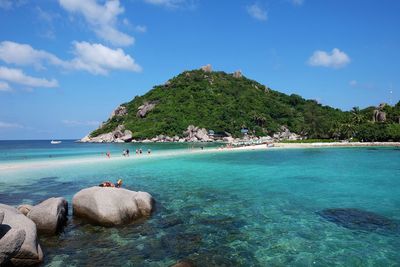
point(356, 116)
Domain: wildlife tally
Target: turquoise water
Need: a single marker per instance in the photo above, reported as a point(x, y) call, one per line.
point(255, 208)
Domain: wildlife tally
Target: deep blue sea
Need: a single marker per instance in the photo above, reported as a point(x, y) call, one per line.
point(234, 208)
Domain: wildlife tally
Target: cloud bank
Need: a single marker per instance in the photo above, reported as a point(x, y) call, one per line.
point(93, 58)
point(19, 77)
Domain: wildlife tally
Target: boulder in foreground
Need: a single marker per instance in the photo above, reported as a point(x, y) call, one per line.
point(50, 215)
point(109, 206)
point(30, 253)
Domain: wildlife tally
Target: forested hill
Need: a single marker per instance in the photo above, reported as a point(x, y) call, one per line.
point(224, 102)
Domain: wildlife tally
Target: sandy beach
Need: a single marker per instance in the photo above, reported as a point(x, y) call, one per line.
point(13, 166)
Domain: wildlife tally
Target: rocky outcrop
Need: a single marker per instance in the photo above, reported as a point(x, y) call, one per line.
point(206, 68)
point(11, 241)
point(144, 109)
point(50, 215)
point(119, 135)
point(196, 134)
point(119, 112)
point(30, 252)
point(237, 74)
point(379, 115)
point(110, 206)
point(285, 134)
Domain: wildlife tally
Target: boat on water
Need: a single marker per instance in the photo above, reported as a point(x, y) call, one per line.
point(54, 142)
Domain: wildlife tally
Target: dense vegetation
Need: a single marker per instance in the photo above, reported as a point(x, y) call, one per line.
point(223, 103)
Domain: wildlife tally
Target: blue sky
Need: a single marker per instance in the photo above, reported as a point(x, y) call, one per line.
point(66, 64)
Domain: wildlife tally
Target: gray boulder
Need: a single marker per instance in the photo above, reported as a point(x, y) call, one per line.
point(11, 241)
point(127, 137)
point(145, 108)
point(109, 206)
point(119, 111)
point(50, 215)
point(237, 74)
point(30, 253)
point(206, 68)
point(379, 116)
point(202, 135)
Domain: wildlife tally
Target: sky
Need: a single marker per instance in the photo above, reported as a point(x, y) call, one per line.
point(66, 64)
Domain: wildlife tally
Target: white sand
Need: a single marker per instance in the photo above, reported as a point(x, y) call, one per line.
point(14, 166)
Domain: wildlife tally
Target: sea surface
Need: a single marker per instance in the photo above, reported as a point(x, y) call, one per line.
point(234, 208)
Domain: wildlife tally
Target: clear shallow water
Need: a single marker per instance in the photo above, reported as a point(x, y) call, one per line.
point(256, 208)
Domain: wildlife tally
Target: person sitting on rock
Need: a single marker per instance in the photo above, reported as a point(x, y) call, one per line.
point(106, 184)
point(118, 184)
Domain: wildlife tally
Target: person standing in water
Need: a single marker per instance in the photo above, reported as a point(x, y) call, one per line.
point(127, 152)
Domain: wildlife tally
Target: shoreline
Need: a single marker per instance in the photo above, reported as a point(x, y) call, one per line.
point(15, 166)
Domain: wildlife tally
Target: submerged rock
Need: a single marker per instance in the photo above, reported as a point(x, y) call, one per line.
point(184, 263)
point(50, 215)
point(356, 219)
point(30, 253)
point(109, 206)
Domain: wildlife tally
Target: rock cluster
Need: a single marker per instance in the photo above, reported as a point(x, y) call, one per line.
point(110, 206)
point(119, 135)
point(285, 134)
point(194, 134)
point(106, 206)
point(145, 108)
point(206, 68)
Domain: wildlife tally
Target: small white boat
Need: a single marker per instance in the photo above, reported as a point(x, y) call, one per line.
point(53, 142)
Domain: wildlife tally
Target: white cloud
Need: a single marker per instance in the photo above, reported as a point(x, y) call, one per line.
point(8, 125)
point(94, 58)
point(19, 77)
point(167, 3)
point(23, 55)
point(5, 87)
point(362, 85)
point(297, 2)
point(101, 18)
point(141, 28)
point(99, 59)
point(353, 83)
point(334, 59)
point(74, 123)
point(257, 12)
point(9, 4)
